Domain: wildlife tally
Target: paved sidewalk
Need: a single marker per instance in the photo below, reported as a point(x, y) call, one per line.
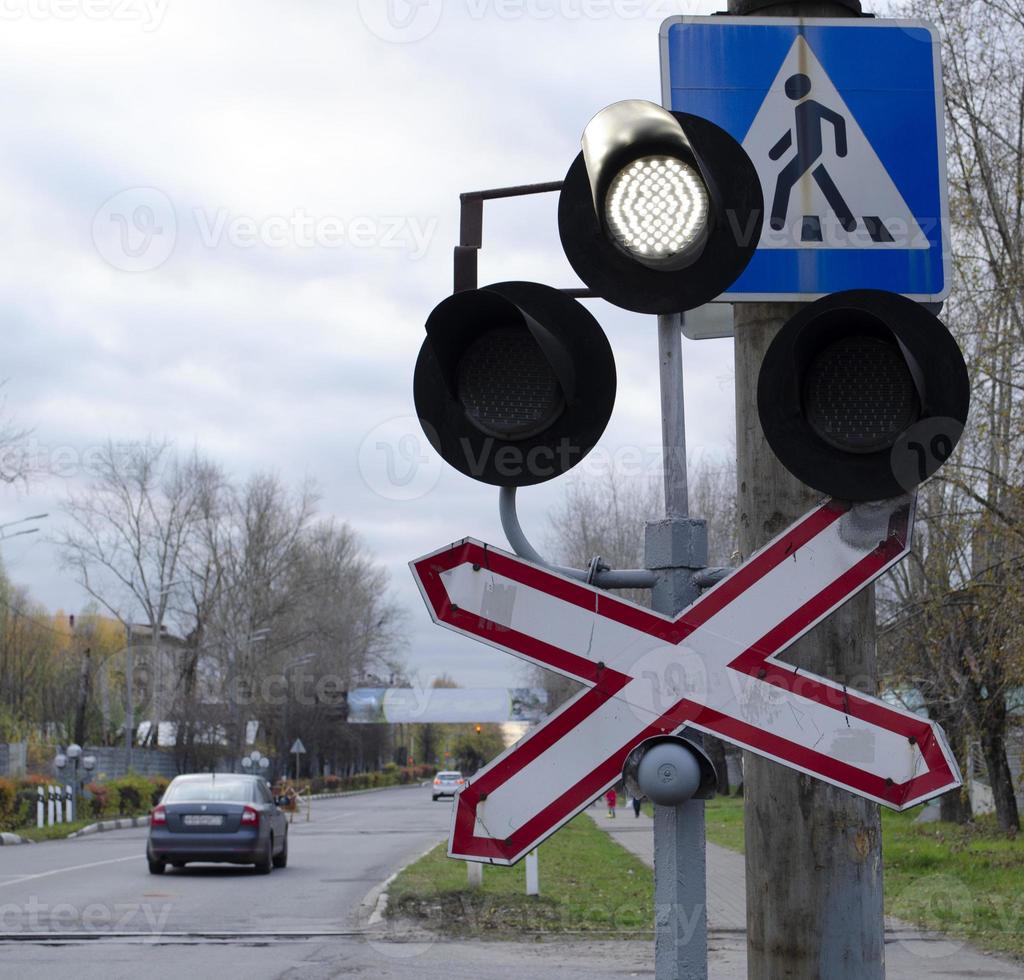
point(910, 953)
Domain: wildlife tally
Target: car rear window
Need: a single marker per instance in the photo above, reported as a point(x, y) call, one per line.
point(225, 790)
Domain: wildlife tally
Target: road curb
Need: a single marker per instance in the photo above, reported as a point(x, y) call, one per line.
point(362, 792)
point(371, 909)
point(9, 840)
point(122, 823)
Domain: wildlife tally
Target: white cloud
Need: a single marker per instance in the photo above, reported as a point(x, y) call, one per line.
point(286, 355)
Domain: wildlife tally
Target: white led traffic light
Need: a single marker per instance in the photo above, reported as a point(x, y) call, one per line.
point(661, 211)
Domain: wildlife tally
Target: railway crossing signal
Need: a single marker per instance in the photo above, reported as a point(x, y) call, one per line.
point(514, 383)
point(661, 211)
point(863, 395)
point(713, 668)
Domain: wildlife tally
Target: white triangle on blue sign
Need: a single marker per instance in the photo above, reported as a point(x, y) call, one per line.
point(816, 195)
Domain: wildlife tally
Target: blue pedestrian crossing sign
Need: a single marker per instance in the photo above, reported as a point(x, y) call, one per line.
point(843, 121)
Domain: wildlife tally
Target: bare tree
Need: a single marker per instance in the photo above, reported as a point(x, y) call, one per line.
point(350, 628)
point(954, 611)
point(197, 710)
point(18, 464)
point(128, 534)
point(249, 577)
point(253, 545)
point(607, 518)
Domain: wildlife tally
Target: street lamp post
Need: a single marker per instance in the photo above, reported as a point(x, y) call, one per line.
point(129, 711)
point(236, 722)
point(21, 520)
point(256, 762)
point(297, 662)
point(74, 756)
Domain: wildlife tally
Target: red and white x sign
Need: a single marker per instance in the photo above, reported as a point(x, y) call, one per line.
point(712, 668)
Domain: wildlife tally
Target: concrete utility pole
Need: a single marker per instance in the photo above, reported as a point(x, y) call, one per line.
point(813, 852)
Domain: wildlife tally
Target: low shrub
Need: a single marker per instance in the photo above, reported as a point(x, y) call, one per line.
point(390, 775)
point(160, 785)
point(25, 807)
point(135, 794)
point(100, 799)
point(8, 804)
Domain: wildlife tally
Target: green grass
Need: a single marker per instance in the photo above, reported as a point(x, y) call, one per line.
point(588, 885)
point(54, 832)
point(724, 817)
point(964, 881)
point(724, 820)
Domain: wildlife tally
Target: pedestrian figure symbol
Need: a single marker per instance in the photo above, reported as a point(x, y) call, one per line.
point(811, 116)
point(823, 184)
point(843, 121)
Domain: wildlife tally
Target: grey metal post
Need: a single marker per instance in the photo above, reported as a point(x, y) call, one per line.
point(676, 548)
point(813, 852)
point(129, 713)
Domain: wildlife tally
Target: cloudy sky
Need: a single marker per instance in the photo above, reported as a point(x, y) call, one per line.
point(225, 224)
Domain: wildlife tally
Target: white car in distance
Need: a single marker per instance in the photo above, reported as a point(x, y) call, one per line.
point(447, 784)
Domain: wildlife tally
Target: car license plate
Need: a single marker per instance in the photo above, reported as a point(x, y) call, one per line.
point(202, 820)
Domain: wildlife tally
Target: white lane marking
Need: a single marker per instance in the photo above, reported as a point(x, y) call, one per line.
point(76, 867)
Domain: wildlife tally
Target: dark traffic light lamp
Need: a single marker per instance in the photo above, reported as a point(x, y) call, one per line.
point(662, 211)
point(514, 384)
point(863, 395)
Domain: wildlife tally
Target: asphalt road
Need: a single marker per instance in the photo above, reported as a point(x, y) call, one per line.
point(88, 908)
point(351, 844)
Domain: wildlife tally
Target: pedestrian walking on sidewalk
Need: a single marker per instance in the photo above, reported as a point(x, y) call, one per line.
point(611, 799)
point(636, 807)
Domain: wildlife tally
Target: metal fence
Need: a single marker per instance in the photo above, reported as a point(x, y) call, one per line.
point(978, 783)
point(13, 758)
point(110, 762)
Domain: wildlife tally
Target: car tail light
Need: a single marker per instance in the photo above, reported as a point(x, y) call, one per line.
point(158, 816)
point(250, 818)
point(437, 782)
point(460, 781)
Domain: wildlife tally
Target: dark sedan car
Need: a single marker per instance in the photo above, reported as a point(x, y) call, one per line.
point(217, 817)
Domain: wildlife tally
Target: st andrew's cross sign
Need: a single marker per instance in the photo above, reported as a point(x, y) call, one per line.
point(714, 668)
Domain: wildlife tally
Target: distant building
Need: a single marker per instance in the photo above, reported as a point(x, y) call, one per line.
point(157, 674)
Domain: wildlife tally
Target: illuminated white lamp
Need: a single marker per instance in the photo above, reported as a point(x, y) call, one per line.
point(647, 185)
point(657, 210)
